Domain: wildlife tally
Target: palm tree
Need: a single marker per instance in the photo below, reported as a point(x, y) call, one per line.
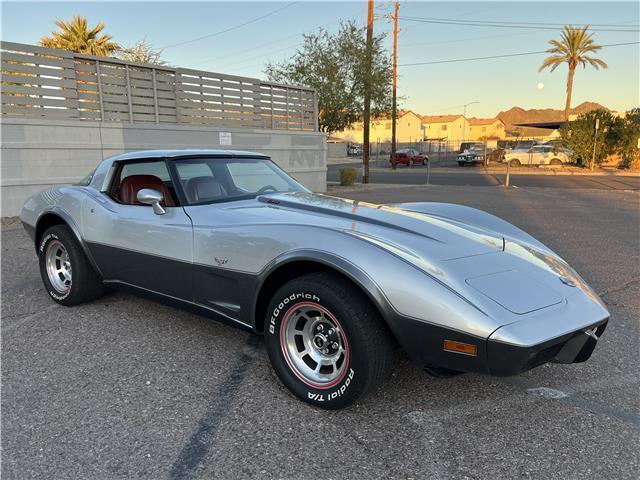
point(573, 48)
point(76, 36)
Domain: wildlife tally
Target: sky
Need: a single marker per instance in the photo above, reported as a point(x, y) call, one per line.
point(441, 88)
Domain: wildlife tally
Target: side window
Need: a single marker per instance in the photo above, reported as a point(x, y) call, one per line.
point(133, 177)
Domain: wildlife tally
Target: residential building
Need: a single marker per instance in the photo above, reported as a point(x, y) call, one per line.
point(446, 128)
point(408, 129)
point(486, 128)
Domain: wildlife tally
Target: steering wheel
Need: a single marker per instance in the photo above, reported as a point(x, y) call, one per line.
point(266, 188)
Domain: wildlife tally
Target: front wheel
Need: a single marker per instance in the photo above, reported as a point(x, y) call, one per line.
point(65, 270)
point(326, 342)
point(555, 161)
point(461, 164)
point(514, 163)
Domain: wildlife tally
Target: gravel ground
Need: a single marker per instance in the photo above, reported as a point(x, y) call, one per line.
point(126, 388)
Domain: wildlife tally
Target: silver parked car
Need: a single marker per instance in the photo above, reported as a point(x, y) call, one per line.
point(332, 284)
point(538, 155)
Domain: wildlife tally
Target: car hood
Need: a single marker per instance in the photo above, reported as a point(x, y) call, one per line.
point(419, 234)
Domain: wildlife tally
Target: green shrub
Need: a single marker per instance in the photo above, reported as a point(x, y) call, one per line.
point(616, 136)
point(348, 176)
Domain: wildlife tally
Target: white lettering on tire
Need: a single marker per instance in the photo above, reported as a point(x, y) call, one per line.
point(291, 298)
point(46, 239)
point(320, 397)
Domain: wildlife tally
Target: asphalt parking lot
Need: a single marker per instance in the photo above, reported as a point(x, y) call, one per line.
point(126, 388)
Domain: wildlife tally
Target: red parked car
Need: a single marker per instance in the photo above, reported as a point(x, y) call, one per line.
point(410, 156)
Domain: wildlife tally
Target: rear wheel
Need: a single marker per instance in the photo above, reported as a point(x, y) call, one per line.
point(326, 342)
point(555, 161)
point(65, 270)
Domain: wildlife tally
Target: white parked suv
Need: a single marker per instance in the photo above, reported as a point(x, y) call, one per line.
point(538, 155)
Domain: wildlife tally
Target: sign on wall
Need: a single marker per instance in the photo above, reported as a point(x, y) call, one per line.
point(225, 138)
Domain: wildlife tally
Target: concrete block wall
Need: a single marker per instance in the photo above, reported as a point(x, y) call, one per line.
point(38, 154)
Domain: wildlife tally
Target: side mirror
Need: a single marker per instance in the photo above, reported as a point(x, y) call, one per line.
point(151, 197)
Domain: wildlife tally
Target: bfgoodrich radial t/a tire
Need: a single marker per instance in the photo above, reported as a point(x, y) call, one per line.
point(325, 340)
point(65, 270)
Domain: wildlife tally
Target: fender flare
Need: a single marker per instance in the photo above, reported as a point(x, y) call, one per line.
point(73, 226)
point(350, 270)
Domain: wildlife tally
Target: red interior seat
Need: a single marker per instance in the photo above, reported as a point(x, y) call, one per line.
point(132, 184)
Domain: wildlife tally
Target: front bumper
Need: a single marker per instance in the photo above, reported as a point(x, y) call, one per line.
point(563, 333)
point(470, 159)
point(575, 347)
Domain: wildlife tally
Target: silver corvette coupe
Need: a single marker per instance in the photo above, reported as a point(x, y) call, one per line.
point(332, 284)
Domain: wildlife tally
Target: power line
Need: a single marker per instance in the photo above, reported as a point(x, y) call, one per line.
point(235, 27)
point(501, 25)
point(458, 40)
point(352, 17)
point(523, 23)
point(500, 56)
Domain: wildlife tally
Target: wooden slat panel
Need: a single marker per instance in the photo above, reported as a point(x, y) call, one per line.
point(142, 100)
point(109, 80)
point(204, 113)
point(168, 118)
point(219, 122)
point(38, 81)
point(189, 97)
point(115, 90)
point(222, 76)
point(22, 100)
point(190, 107)
point(51, 92)
point(39, 112)
point(93, 95)
point(144, 117)
point(85, 67)
point(186, 82)
point(116, 107)
point(150, 110)
point(36, 70)
point(21, 47)
point(166, 102)
point(141, 74)
point(116, 116)
point(38, 60)
point(127, 91)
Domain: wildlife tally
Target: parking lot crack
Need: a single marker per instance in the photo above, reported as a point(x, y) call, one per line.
point(194, 452)
point(620, 288)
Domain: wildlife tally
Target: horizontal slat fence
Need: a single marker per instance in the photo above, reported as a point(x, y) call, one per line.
point(44, 82)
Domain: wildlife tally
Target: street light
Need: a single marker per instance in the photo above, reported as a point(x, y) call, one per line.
point(465, 116)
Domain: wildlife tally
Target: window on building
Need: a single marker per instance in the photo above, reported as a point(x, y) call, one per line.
point(444, 128)
point(388, 126)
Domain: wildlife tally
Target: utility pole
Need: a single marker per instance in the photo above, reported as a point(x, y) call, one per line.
point(394, 113)
point(367, 95)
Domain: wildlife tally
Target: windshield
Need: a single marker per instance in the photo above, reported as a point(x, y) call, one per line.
point(208, 180)
point(86, 180)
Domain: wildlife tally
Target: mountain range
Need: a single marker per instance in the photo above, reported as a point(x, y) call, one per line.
point(520, 115)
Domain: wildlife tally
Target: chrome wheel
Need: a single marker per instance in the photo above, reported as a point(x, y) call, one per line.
point(314, 345)
point(58, 266)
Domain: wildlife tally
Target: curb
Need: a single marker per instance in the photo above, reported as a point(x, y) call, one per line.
point(514, 171)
